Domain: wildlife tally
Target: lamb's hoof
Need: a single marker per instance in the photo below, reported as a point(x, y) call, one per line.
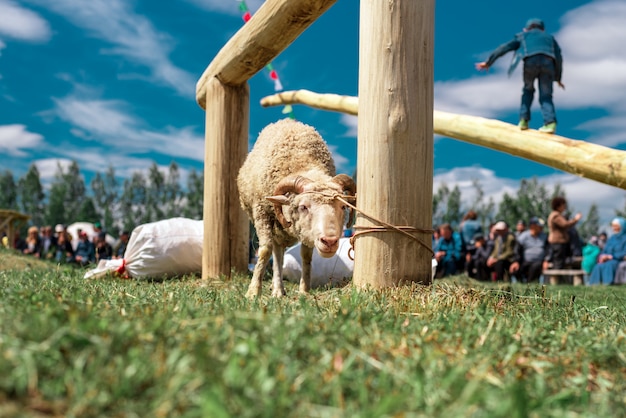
point(278, 293)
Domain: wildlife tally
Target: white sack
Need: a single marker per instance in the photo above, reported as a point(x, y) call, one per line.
point(334, 270)
point(324, 271)
point(171, 247)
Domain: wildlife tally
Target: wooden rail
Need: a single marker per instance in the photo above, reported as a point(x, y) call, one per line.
point(581, 158)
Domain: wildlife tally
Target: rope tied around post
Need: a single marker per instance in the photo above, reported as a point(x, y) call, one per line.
point(384, 227)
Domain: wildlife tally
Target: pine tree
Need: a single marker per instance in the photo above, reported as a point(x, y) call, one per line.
point(133, 202)
point(532, 199)
point(8, 191)
point(155, 194)
point(173, 192)
point(591, 223)
point(105, 197)
point(31, 196)
point(194, 197)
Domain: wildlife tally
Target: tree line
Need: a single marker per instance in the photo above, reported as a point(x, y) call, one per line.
point(155, 195)
point(118, 204)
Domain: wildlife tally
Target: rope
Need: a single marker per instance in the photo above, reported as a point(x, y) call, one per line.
point(385, 227)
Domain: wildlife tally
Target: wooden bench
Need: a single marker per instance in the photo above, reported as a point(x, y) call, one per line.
point(554, 276)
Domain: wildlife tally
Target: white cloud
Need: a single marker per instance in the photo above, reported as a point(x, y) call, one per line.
point(110, 124)
point(131, 36)
point(23, 24)
point(16, 138)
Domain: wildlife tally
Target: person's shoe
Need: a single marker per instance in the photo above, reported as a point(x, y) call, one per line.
point(523, 124)
point(550, 128)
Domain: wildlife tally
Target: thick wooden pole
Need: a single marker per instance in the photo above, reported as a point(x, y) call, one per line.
point(395, 147)
point(226, 146)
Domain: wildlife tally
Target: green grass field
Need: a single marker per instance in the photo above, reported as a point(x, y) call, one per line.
point(114, 348)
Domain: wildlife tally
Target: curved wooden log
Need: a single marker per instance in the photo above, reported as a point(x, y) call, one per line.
point(584, 159)
point(272, 29)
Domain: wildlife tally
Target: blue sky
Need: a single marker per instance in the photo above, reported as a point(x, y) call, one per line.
point(112, 82)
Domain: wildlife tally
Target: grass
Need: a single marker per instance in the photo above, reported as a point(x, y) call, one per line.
point(115, 348)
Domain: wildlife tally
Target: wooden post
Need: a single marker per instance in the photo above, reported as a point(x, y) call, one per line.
point(395, 147)
point(226, 228)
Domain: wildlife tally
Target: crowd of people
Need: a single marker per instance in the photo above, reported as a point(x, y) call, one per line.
point(522, 254)
point(59, 246)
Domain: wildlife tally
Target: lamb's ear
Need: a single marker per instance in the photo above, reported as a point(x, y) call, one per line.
point(278, 200)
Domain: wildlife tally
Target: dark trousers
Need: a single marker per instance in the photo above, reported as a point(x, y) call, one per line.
point(501, 268)
point(530, 271)
point(542, 68)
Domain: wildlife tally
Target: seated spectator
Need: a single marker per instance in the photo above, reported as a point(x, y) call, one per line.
point(120, 247)
point(602, 238)
point(591, 251)
point(447, 251)
point(531, 252)
point(48, 242)
point(33, 242)
point(613, 253)
point(477, 260)
point(85, 251)
point(63, 250)
point(501, 257)
point(104, 251)
point(470, 227)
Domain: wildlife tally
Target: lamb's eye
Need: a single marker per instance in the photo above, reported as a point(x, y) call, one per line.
point(303, 209)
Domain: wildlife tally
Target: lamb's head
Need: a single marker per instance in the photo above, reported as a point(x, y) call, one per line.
point(311, 211)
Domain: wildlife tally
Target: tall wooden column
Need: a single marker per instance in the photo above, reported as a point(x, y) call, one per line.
point(226, 228)
point(395, 146)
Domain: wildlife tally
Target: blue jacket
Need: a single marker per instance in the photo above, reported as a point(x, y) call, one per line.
point(453, 247)
point(529, 43)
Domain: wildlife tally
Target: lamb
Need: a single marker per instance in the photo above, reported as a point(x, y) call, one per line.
point(287, 185)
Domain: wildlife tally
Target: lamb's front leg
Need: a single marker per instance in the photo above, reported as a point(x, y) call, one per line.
point(255, 287)
point(307, 256)
point(278, 289)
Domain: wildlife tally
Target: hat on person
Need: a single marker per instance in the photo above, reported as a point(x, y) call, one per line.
point(536, 221)
point(500, 226)
point(97, 225)
point(534, 23)
point(59, 228)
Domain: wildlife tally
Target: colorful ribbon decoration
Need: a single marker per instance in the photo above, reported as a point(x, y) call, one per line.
point(278, 86)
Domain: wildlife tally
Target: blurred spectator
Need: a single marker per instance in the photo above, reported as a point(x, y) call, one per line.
point(591, 251)
point(48, 242)
point(104, 251)
point(447, 251)
point(477, 260)
point(613, 253)
point(63, 251)
point(501, 257)
point(85, 251)
point(120, 247)
point(470, 227)
point(33, 242)
point(531, 250)
point(559, 236)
